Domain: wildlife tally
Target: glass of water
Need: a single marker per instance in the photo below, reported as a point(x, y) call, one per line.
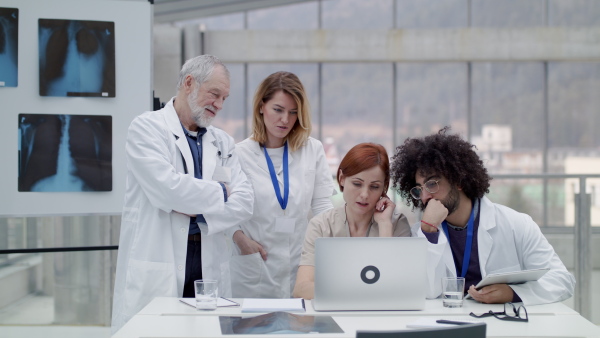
point(206, 294)
point(453, 291)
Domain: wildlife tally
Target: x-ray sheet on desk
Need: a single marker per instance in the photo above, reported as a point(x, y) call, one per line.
point(278, 323)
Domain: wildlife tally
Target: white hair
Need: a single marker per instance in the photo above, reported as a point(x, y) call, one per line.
point(200, 68)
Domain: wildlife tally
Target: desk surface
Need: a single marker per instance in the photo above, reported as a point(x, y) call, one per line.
point(172, 306)
point(167, 317)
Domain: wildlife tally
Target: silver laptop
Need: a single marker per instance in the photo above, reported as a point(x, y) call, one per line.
point(363, 273)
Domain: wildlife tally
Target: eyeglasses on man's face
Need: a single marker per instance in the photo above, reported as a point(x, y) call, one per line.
point(431, 186)
point(519, 314)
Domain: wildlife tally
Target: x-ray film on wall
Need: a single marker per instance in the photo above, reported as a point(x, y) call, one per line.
point(77, 58)
point(9, 46)
point(65, 153)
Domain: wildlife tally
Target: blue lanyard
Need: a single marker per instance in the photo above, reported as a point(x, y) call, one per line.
point(286, 177)
point(468, 245)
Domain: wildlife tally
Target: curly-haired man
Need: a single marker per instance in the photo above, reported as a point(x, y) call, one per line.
point(468, 235)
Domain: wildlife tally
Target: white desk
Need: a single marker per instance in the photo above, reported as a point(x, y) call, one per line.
point(167, 317)
point(171, 306)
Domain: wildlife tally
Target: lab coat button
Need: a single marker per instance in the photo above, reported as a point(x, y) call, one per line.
point(182, 229)
point(179, 267)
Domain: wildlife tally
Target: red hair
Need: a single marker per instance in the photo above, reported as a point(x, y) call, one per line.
point(365, 156)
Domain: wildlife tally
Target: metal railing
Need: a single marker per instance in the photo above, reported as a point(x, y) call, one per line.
point(60, 249)
point(582, 232)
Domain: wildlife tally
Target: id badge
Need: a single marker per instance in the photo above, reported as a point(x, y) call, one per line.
point(285, 224)
point(222, 174)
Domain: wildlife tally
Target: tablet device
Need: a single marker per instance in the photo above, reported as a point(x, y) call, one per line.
point(514, 277)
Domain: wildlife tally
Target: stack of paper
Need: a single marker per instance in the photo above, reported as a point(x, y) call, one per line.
point(273, 305)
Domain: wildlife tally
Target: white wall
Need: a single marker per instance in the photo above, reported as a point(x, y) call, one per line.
point(133, 32)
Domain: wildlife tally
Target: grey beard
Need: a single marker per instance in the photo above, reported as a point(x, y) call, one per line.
point(202, 120)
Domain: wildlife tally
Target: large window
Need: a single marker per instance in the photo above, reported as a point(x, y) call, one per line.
point(430, 96)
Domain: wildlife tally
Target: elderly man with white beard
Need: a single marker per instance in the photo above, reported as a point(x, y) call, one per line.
point(184, 189)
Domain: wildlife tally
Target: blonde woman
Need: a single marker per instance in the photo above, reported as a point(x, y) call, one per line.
point(291, 180)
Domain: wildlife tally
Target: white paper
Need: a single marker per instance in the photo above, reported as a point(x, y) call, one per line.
point(221, 302)
point(273, 304)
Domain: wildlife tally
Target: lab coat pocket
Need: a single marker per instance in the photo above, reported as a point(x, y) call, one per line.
point(146, 280)
point(246, 273)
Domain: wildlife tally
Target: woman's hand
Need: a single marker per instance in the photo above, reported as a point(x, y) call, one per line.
point(305, 282)
point(384, 209)
point(247, 245)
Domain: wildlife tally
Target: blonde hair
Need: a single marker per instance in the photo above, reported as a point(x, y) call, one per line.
point(291, 85)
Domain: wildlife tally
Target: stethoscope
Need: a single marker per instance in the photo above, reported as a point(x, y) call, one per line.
point(220, 154)
point(223, 157)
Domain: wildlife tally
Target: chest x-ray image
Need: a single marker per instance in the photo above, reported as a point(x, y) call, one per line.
point(65, 153)
point(9, 46)
point(77, 58)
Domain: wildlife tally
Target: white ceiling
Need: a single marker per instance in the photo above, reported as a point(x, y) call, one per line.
point(166, 11)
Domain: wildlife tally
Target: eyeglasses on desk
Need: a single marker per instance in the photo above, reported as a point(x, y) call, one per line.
point(519, 314)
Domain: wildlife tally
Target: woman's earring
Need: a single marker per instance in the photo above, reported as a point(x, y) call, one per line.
point(260, 111)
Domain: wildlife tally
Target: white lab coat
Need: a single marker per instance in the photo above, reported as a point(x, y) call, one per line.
point(507, 241)
point(309, 178)
point(160, 181)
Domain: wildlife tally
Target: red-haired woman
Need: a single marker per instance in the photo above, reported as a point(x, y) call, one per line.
point(363, 176)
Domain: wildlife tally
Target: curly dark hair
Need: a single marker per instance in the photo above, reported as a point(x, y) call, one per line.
point(439, 154)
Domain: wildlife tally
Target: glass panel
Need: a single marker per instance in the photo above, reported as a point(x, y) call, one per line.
point(507, 124)
point(50, 232)
point(296, 16)
point(357, 104)
point(432, 13)
point(307, 73)
point(595, 281)
point(574, 117)
point(231, 118)
point(526, 195)
point(563, 244)
point(574, 13)
point(357, 107)
point(430, 96)
point(65, 288)
point(357, 14)
point(233, 21)
point(522, 195)
point(507, 13)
